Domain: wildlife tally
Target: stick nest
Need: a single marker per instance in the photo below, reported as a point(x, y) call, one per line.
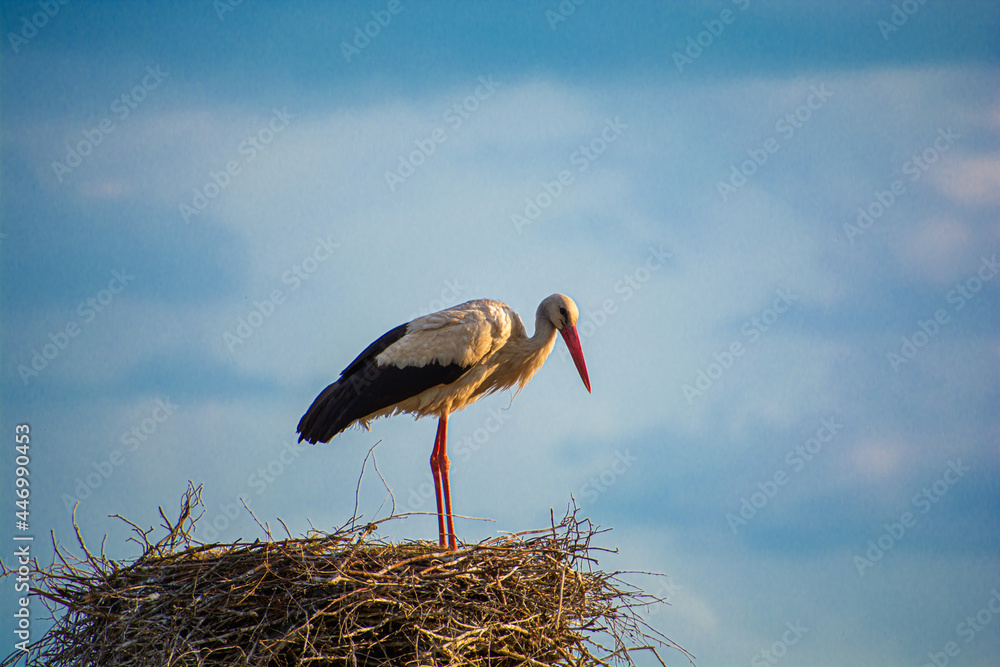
point(345, 598)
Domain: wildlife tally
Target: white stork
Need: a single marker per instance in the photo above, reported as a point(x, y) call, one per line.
point(439, 364)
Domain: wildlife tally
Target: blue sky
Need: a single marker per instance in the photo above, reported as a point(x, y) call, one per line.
point(780, 223)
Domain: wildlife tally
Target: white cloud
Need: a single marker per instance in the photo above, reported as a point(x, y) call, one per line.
point(971, 181)
point(935, 249)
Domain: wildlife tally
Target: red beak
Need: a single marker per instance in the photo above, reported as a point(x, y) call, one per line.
point(573, 343)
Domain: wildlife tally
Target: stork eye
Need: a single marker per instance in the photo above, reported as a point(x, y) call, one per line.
point(564, 315)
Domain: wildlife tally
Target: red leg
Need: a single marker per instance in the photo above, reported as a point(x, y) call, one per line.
point(445, 465)
point(436, 472)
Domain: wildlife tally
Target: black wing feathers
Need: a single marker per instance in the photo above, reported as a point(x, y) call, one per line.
point(364, 388)
point(375, 349)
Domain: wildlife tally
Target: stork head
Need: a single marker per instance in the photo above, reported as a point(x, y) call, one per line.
point(560, 310)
